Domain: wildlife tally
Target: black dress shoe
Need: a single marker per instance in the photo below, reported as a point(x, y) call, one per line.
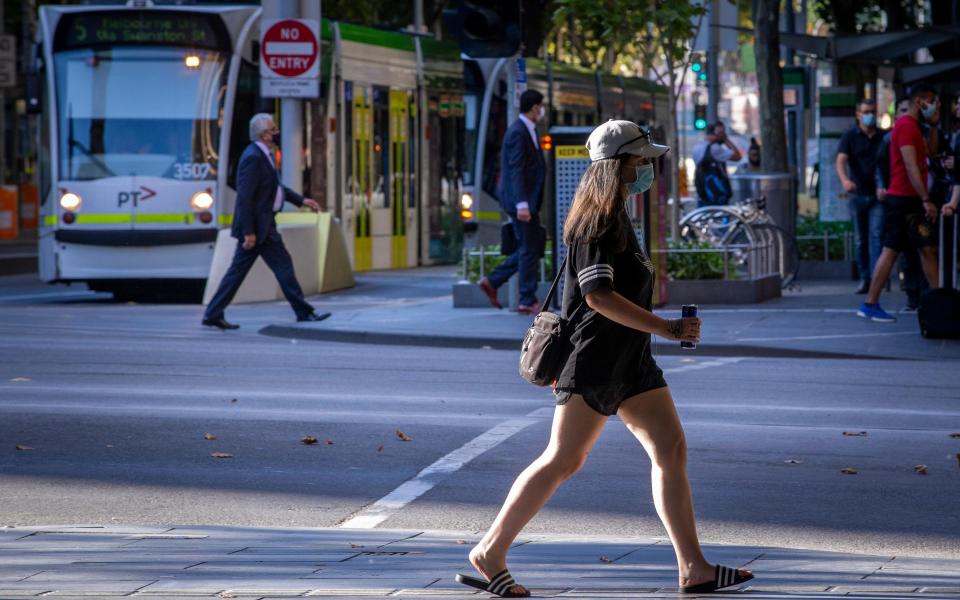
point(220, 323)
point(314, 317)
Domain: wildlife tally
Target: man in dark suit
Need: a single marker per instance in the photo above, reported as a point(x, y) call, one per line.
point(522, 174)
point(260, 196)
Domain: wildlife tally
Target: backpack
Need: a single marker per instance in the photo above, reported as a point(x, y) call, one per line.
point(713, 185)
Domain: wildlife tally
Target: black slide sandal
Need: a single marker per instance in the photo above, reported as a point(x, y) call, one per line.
point(500, 585)
point(725, 577)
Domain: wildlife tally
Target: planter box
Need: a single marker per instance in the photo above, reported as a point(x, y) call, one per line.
point(811, 270)
point(721, 291)
point(469, 295)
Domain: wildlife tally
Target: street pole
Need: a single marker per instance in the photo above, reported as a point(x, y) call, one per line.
point(713, 60)
point(291, 109)
point(418, 16)
point(789, 55)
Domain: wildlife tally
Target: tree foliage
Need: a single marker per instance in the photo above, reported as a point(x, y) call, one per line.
point(862, 16)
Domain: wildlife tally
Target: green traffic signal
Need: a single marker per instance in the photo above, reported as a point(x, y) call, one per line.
point(702, 77)
point(700, 124)
point(697, 67)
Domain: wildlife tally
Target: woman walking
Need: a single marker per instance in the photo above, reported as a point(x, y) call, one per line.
point(607, 300)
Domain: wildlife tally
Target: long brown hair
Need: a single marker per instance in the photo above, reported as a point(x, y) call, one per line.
point(597, 214)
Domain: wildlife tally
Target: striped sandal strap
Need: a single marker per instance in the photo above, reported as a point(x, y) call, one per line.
point(501, 583)
point(725, 576)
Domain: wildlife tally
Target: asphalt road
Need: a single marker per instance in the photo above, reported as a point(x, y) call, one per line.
point(115, 401)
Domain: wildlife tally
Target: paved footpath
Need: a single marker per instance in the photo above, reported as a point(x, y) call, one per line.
point(225, 562)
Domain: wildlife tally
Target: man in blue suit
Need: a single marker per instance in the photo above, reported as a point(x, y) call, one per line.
point(260, 196)
point(522, 173)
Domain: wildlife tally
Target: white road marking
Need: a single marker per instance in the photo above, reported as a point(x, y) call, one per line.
point(410, 490)
point(57, 295)
point(827, 337)
point(425, 480)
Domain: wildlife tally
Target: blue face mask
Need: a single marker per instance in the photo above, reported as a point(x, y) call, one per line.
point(643, 181)
point(869, 120)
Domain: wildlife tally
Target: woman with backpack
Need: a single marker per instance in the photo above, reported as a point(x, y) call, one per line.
point(610, 370)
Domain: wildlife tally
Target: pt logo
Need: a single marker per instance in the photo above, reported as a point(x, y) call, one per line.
point(135, 196)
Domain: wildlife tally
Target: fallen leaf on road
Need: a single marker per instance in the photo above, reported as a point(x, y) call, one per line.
point(404, 437)
point(855, 433)
point(21, 447)
point(955, 434)
point(793, 461)
point(848, 471)
point(920, 469)
point(221, 455)
point(234, 400)
point(226, 595)
point(461, 542)
point(604, 559)
point(309, 440)
point(329, 442)
point(352, 545)
point(380, 449)
point(209, 436)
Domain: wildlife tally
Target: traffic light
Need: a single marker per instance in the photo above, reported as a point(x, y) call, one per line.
point(485, 28)
point(699, 117)
point(699, 68)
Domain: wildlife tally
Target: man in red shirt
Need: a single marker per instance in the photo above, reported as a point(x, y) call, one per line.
point(908, 211)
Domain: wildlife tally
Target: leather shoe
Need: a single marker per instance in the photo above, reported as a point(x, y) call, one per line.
point(490, 291)
point(529, 309)
point(220, 323)
point(313, 317)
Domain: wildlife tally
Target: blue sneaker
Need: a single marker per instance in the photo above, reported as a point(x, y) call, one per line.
point(875, 313)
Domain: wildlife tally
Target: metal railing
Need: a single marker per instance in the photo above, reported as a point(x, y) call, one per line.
point(482, 253)
point(846, 237)
point(761, 260)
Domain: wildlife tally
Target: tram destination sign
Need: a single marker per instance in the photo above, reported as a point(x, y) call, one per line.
point(128, 27)
point(290, 58)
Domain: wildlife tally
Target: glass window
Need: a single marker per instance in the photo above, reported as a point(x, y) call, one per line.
point(381, 146)
point(139, 111)
point(244, 107)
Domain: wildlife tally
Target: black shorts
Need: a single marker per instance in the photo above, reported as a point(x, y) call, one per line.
point(606, 399)
point(906, 225)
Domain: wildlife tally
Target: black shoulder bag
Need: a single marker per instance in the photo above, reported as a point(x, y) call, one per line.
point(547, 344)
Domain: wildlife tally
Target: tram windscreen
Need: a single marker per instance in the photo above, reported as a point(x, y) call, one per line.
point(139, 111)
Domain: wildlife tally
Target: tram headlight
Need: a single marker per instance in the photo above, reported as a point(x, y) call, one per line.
point(202, 201)
point(192, 61)
point(70, 201)
point(466, 201)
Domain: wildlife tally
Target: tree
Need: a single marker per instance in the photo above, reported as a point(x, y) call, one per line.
point(766, 19)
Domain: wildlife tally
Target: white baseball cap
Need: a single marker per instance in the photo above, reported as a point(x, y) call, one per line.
point(616, 137)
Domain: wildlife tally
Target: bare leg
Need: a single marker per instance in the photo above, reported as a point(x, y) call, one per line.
point(653, 420)
point(575, 429)
point(881, 273)
point(931, 265)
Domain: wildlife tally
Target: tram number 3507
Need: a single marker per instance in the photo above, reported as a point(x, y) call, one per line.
point(188, 170)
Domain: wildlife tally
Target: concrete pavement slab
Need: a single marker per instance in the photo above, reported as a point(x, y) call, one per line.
point(816, 320)
point(422, 564)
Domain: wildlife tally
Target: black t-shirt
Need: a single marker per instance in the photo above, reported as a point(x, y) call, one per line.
point(861, 151)
point(605, 352)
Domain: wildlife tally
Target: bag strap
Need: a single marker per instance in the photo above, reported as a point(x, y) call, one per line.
point(553, 286)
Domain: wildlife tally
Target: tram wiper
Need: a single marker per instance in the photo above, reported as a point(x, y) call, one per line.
point(72, 143)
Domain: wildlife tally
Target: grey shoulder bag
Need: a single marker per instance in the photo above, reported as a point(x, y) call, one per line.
point(547, 344)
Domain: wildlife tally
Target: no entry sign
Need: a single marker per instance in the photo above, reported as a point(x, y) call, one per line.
point(289, 58)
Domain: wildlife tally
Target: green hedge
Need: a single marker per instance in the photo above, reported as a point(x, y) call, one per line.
point(698, 265)
point(493, 259)
point(813, 249)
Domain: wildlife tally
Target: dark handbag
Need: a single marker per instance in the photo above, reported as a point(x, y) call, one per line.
point(547, 343)
point(509, 243)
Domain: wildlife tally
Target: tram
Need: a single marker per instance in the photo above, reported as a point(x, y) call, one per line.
point(574, 96)
point(144, 113)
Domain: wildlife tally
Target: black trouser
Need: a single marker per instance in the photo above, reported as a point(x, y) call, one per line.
point(275, 254)
point(523, 261)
